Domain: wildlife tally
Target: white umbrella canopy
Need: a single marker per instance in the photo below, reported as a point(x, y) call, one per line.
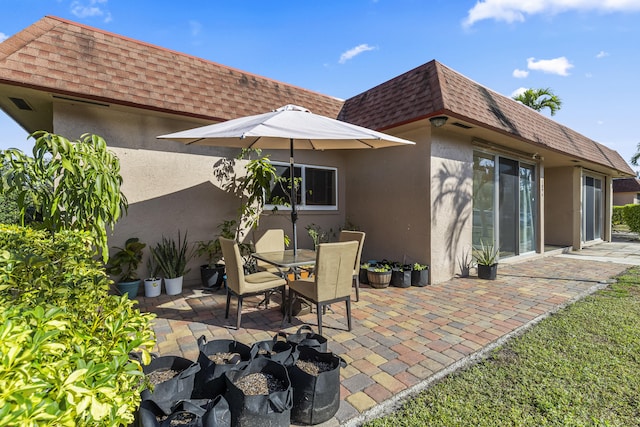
point(290, 127)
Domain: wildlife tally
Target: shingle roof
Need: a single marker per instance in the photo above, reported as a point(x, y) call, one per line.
point(626, 185)
point(108, 67)
point(59, 56)
point(432, 89)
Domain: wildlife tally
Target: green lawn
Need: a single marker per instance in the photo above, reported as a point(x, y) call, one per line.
point(579, 367)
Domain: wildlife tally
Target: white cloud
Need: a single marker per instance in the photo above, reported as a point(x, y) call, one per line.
point(195, 27)
point(602, 54)
point(588, 75)
point(516, 10)
point(90, 9)
point(354, 52)
point(518, 91)
point(558, 66)
point(3, 37)
point(520, 74)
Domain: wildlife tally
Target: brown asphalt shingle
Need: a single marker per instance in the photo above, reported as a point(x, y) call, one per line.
point(626, 185)
point(432, 89)
point(64, 57)
point(68, 58)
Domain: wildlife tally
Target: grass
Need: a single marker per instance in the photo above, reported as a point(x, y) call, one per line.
point(579, 367)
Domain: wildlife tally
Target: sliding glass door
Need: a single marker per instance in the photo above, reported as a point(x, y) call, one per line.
point(592, 208)
point(504, 204)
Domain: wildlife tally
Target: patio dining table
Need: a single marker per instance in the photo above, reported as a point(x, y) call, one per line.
point(288, 261)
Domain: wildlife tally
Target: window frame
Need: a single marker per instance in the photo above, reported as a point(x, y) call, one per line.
point(302, 206)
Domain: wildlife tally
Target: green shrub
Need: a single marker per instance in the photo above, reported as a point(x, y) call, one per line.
point(64, 341)
point(617, 217)
point(631, 214)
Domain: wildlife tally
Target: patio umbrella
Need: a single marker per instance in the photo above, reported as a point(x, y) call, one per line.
point(290, 127)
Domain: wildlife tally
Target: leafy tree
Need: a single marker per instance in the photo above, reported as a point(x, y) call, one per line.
point(72, 185)
point(538, 99)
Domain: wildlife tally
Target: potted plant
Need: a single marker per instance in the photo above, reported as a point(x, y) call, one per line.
point(486, 257)
point(124, 263)
point(419, 274)
point(153, 282)
point(379, 275)
point(211, 273)
point(172, 257)
point(362, 275)
point(400, 275)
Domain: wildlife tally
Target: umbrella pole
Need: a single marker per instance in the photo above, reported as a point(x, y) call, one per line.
point(294, 212)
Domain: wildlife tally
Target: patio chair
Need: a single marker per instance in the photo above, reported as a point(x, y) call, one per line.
point(358, 236)
point(271, 241)
point(243, 285)
point(331, 282)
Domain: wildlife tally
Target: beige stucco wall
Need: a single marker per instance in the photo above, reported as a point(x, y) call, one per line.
point(451, 203)
point(559, 205)
point(172, 187)
point(389, 199)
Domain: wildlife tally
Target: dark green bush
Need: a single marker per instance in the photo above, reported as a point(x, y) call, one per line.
point(631, 214)
point(65, 342)
point(617, 217)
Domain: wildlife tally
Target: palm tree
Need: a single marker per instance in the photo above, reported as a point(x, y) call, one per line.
point(539, 99)
point(636, 157)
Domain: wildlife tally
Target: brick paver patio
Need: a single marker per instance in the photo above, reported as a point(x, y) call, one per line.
point(402, 339)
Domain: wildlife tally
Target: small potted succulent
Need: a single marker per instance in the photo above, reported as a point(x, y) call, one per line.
point(153, 281)
point(486, 256)
point(172, 257)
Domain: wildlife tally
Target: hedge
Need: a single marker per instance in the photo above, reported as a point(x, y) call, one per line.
point(631, 214)
point(617, 218)
point(64, 341)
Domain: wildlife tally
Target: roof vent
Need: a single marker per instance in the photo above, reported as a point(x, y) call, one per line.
point(21, 104)
point(461, 125)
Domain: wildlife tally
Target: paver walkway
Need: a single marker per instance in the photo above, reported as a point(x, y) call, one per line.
point(402, 339)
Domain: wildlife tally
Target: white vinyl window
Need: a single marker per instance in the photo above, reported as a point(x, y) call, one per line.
point(318, 187)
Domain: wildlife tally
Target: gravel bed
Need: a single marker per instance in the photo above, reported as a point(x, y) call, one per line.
point(260, 384)
point(161, 375)
point(225, 358)
point(313, 367)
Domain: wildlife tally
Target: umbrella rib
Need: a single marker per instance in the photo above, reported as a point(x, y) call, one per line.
point(193, 142)
point(366, 143)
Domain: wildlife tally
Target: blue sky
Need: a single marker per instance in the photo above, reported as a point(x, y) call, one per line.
point(586, 51)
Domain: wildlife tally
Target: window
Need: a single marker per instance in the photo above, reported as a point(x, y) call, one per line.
point(318, 187)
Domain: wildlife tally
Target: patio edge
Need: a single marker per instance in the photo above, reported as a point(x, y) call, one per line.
point(398, 399)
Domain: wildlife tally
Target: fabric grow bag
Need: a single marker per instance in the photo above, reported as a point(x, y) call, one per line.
point(270, 410)
point(316, 398)
point(167, 393)
point(209, 382)
point(278, 350)
point(420, 278)
point(305, 337)
point(189, 413)
point(401, 278)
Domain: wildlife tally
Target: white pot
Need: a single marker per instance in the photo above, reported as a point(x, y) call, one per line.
point(173, 286)
point(152, 287)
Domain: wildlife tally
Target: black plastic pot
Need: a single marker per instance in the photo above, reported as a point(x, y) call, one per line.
point(400, 278)
point(420, 278)
point(488, 272)
point(212, 277)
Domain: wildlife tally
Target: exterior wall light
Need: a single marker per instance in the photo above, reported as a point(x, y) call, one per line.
point(438, 121)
